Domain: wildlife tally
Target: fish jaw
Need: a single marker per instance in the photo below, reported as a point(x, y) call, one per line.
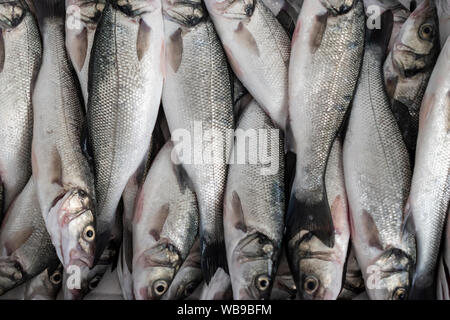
point(11, 14)
point(71, 225)
point(154, 270)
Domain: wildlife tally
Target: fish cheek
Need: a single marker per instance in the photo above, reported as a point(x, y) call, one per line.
point(175, 50)
point(318, 31)
point(2, 51)
point(143, 39)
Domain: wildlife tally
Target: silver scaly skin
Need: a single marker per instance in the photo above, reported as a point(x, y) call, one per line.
point(408, 68)
point(125, 85)
point(327, 48)
point(165, 225)
point(20, 58)
point(44, 286)
point(198, 92)
point(25, 246)
point(430, 190)
point(64, 180)
point(377, 179)
point(254, 206)
point(258, 50)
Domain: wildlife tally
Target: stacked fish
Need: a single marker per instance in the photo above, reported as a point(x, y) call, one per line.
point(224, 149)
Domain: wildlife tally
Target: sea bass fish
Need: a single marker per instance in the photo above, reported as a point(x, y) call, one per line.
point(318, 269)
point(165, 225)
point(126, 76)
point(428, 202)
point(20, 58)
point(254, 206)
point(64, 180)
point(44, 286)
point(258, 50)
point(377, 179)
point(327, 49)
point(198, 103)
point(25, 246)
point(408, 68)
point(82, 17)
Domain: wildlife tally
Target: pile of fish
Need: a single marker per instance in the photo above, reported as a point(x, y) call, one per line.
point(224, 149)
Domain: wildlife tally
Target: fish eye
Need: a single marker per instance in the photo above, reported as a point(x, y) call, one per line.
point(190, 287)
point(89, 233)
point(262, 282)
point(311, 284)
point(426, 31)
point(56, 278)
point(160, 287)
point(94, 283)
point(399, 294)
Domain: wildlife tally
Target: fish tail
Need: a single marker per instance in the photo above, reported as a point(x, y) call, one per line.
point(213, 257)
point(46, 9)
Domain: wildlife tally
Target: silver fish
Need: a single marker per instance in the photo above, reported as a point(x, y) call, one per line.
point(20, 58)
point(25, 246)
point(64, 180)
point(408, 68)
point(44, 286)
point(198, 103)
point(258, 50)
point(318, 269)
point(429, 199)
point(165, 224)
point(82, 17)
point(377, 179)
point(327, 49)
point(254, 205)
point(126, 75)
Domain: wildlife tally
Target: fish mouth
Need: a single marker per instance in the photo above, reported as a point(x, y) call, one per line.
point(11, 14)
point(235, 10)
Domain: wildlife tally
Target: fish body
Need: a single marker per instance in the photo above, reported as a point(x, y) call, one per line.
point(377, 179)
point(124, 94)
point(327, 49)
point(429, 199)
point(198, 104)
point(165, 225)
point(20, 58)
point(254, 206)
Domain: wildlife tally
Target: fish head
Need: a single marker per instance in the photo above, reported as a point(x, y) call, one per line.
point(184, 13)
point(253, 267)
point(232, 9)
point(389, 277)
point(185, 283)
point(417, 45)
point(89, 12)
point(337, 7)
point(136, 8)
point(154, 270)
point(316, 267)
point(11, 13)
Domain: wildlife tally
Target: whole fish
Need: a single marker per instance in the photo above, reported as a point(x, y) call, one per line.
point(25, 246)
point(44, 286)
point(165, 225)
point(283, 285)
point(317, 269)
point(188, 277)
point(429, 199)
point(20, 58)
point(82, 17)
point(377, 179)
point(198, 103)
point(408, 68)
point(126, 75)
point(254, 205)
point(327, 48)
point(64, 180)
point(353, 281)
point(258, 50)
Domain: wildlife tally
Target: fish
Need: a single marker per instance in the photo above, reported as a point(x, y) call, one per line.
point(258, 50)
point(128, 49)
point(443, 10)
point(198, 104)
point(408, 68)
point(25, 245)
point(377, 179)
point(327, 48)
point(61, 172)
point(254, 205)
point(165, 225)
point(353, 284)
point(283, 284)
point(317, 269)
point(20, 58)
point(82, 17)
point(188, 277)
point(428, 202)
point(443, 274)
point(44, 286)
